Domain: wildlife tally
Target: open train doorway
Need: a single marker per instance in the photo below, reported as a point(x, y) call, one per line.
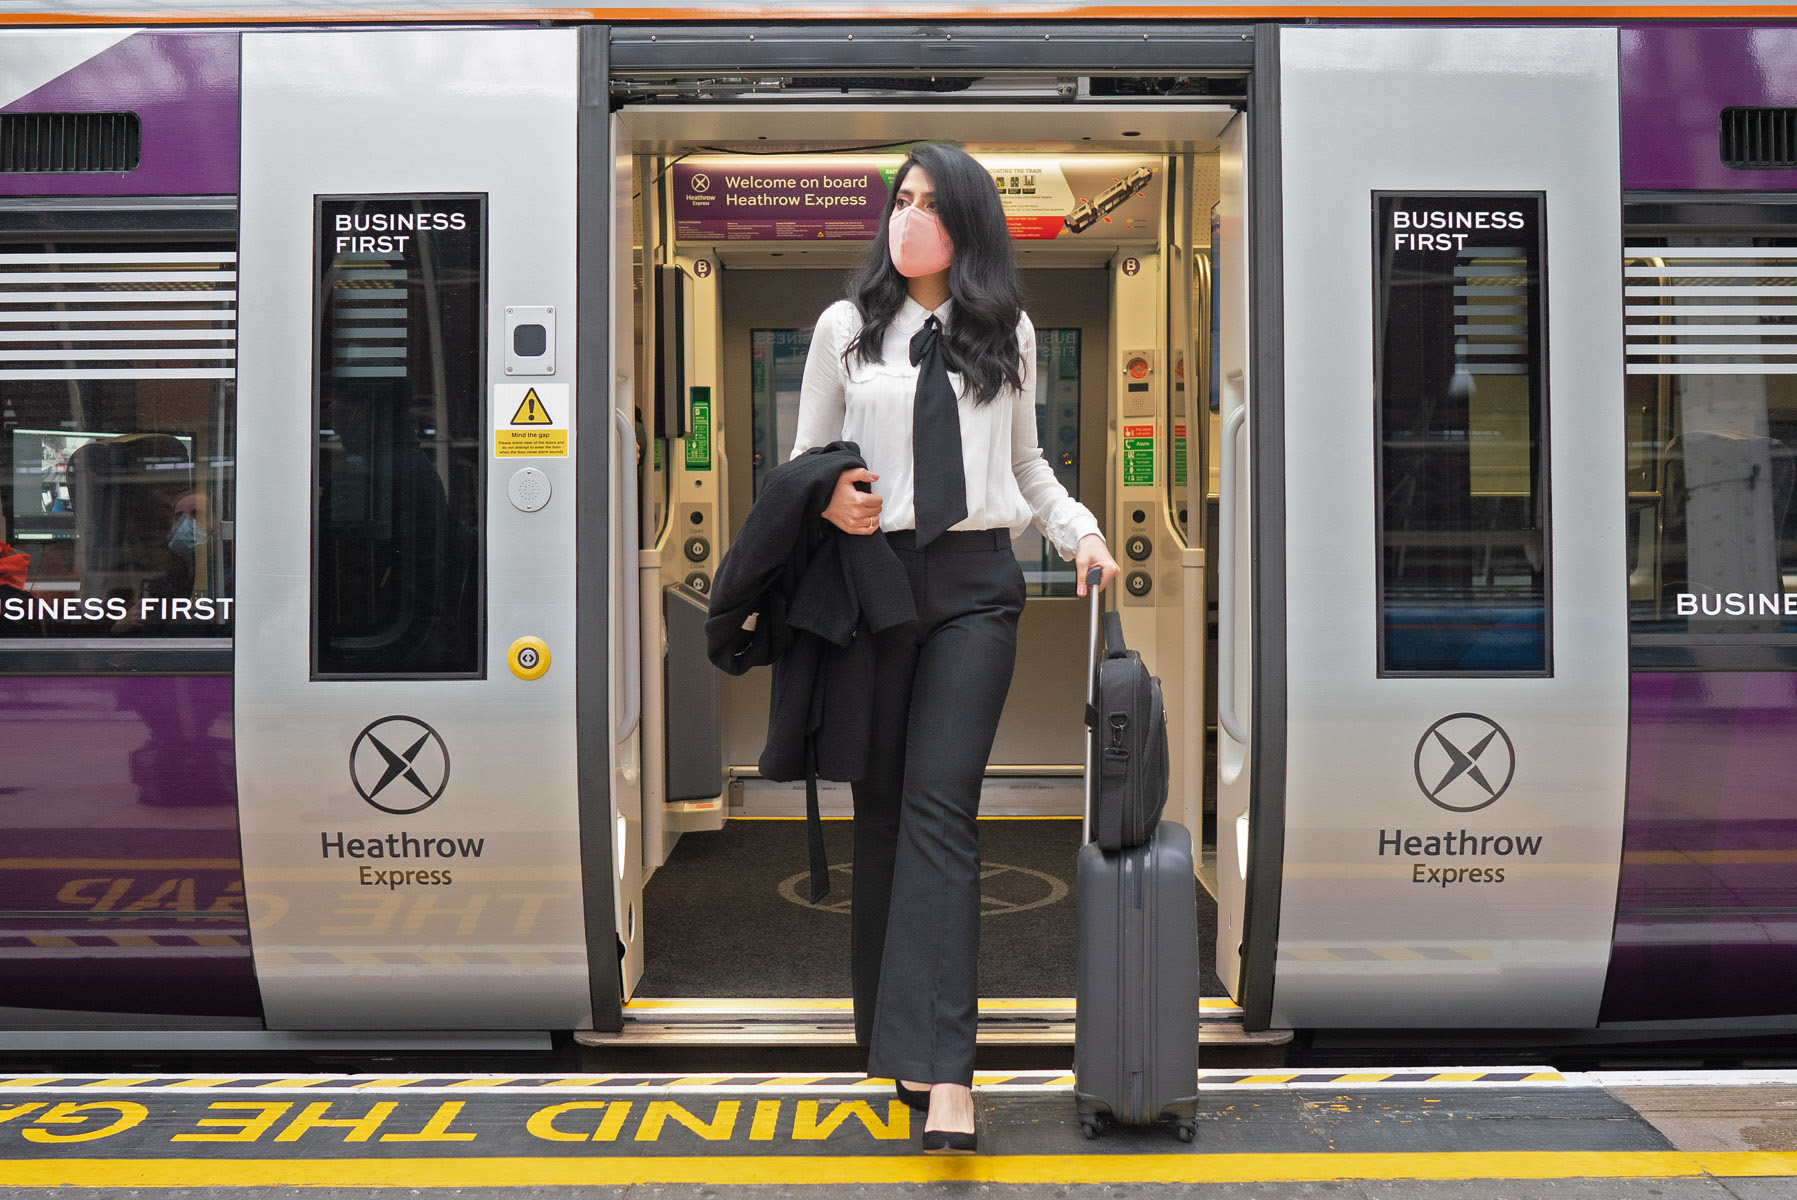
point(741, 222)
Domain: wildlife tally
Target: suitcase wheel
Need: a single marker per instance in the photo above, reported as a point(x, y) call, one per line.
point(1185, 1131)
point(1091, 1127)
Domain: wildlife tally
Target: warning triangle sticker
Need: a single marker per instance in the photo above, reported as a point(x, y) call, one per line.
point(531, 411)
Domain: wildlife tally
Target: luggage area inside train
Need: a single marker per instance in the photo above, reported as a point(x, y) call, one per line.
point(745, 220)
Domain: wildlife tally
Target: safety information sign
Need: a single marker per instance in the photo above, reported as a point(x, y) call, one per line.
point(698, 441)
point(1138, 455)
point(530, 420)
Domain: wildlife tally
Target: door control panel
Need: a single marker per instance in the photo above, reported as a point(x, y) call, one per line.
point(698, 545)
point(1137, 578)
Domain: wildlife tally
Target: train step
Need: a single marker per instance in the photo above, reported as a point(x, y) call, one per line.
point(726, 1021)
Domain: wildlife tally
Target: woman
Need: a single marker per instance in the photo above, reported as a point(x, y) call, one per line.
point(929, 367)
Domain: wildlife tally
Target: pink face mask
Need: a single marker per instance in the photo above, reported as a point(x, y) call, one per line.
point(918, 242)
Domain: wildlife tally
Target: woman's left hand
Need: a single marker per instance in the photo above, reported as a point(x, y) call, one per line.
point(1091, 552)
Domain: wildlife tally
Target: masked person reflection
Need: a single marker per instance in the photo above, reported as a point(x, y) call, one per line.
point(929, 367)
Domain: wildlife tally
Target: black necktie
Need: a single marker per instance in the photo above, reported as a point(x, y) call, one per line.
point(940, 483)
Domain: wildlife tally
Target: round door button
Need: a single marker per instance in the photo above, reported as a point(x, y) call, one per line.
point(697, 549)
point(1138, 583)
point(1138, 547)
point(528, 658)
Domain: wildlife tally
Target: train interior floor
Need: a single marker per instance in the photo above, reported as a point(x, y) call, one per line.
point(728, 914)
point(1394, 1134)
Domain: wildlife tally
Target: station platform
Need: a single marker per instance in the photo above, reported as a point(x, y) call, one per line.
point(1511, 1131)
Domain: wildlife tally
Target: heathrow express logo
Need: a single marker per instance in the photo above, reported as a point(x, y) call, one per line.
point(701, 182)
point(399, 765)
point(1464, 762)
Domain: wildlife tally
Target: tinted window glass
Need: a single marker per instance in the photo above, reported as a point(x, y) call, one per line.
point(1712, 421)
point(117, 409)
point(1459, 364)
point(399, 511)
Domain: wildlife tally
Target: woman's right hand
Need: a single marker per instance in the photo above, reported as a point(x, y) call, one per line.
point(852, 510)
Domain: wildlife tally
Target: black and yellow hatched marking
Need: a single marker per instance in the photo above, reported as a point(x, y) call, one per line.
point(465, 1131)
point(853, 1083)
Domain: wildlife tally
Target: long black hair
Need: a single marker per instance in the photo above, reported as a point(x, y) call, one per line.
point(982, 276)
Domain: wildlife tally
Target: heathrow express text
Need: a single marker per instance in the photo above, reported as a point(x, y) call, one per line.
point(400, 845)
point(1461, 844)
point(752, 191)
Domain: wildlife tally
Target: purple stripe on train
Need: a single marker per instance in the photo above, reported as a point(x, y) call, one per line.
point(182, 85)
point(1677, 79)
point(121, 886)
point(1706, 923)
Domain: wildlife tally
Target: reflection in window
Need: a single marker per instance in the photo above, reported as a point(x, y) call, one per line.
point(1460, 371)
point(117, 409)
point(1712, 421)
point(1057, 430)
point(777, 368)
point(400, 487)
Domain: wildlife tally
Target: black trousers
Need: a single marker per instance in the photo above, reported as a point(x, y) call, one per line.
point(916, 891)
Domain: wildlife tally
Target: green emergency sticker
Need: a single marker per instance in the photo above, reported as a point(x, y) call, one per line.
point(1179, 454)
point(698, 438)
point(1138, 456)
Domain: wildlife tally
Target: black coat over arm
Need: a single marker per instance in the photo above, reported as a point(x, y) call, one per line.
point(796, 591)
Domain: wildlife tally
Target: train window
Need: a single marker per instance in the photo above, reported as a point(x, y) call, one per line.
point(117, 428)
point(1057, 431)
point(777, 367)
point(1460, 379)
point(399, 473)
point(1712, 425)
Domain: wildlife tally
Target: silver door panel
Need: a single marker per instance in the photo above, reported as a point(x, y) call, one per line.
point(503, 946)
point(1364, 940)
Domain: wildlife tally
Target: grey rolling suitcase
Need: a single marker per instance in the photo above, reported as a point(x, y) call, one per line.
point(1136, 1023)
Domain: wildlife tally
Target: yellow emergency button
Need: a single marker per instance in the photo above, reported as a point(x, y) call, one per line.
point(528, 658)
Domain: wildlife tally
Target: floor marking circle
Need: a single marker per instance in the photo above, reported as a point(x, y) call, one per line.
point(1004, 888)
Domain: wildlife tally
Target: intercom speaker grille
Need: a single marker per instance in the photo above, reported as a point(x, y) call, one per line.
point(528, 490)
point(1754, 139)
point(69, 142)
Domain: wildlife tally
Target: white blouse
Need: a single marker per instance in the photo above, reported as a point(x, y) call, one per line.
point(1009, 483)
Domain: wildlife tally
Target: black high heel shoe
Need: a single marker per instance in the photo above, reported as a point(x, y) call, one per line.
point(920, 1100)
point(950, 1141)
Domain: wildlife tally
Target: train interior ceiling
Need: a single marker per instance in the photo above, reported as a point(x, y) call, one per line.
point(745, 222)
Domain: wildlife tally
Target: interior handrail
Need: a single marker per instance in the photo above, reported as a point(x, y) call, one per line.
point(1227, 717)
point(628, 475)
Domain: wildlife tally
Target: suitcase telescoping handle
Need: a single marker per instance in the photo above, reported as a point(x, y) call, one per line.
point(1093, 577)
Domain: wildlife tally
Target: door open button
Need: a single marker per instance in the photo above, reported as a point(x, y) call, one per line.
point(528, 658)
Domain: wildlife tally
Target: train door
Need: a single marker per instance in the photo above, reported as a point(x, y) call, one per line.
point(767, 310)
point(1451, 657)
point(406, 656)
point(716, 402)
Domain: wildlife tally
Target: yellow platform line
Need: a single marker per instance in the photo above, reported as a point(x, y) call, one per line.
point(789, 1170)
